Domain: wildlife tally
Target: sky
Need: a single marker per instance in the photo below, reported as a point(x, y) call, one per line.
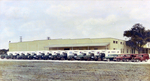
point(69, 19)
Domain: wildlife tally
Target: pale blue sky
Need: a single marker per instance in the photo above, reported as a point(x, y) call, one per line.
point(37, 19)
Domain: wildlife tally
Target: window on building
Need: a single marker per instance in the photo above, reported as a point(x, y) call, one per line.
point(113, 48)
point(146, 50)
point(116, 42)
point(120, 42)
point(95, 48)
point(127, 50)
point(113, 41)
point(133, 51)
point(80, 49)
point(106, 48)
point(123, 50)
point(66, 48)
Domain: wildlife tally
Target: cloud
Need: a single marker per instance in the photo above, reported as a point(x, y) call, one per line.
point(36, 20)
point(140, 14)
point(16, 12)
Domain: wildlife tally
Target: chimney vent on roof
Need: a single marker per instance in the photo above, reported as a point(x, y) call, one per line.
point(20, 38)
point(48, 38)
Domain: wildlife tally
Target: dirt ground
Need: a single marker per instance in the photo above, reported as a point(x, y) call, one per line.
point(72, 71)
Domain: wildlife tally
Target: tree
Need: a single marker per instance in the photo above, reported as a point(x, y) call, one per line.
point(138, 37)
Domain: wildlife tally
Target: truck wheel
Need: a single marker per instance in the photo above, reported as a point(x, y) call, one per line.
point(62, 58)
point(145, 60)
point(99, 59)
point(127, 60)
point(137, 60)
point(72, 59)
point(118, 60)
point(92, 59)
point(123, 60)
point(55, 58)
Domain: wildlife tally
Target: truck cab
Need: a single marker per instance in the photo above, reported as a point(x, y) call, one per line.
point(72, 55)
point(8, 56)
point(82, 55)
point(34, 55)
point(63, 55)
point(125, 57)
point(22, 55)
point(129, 57)
point(28, 55)
point(120, 57)
point(91, 55)
point(141, 57)
point(99, 56)
point(40, 55)
point(110, 57)
point(48, 55)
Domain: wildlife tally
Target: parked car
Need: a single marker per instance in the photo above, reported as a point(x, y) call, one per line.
point(141, 57)
point(110, 57)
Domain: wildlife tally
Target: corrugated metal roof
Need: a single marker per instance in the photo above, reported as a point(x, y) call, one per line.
point(76, 45)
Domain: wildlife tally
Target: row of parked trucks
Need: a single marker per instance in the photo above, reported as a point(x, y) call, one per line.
point(95, 55)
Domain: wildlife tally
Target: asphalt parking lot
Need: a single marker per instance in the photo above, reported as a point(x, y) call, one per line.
point(50, 70)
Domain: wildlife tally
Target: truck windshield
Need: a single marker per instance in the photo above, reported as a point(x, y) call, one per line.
point(128, 55)
point(92, 54)
point(84, 54)
point(113, 55)
point(65, 54)
point(58, 53)
point(75, 54)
